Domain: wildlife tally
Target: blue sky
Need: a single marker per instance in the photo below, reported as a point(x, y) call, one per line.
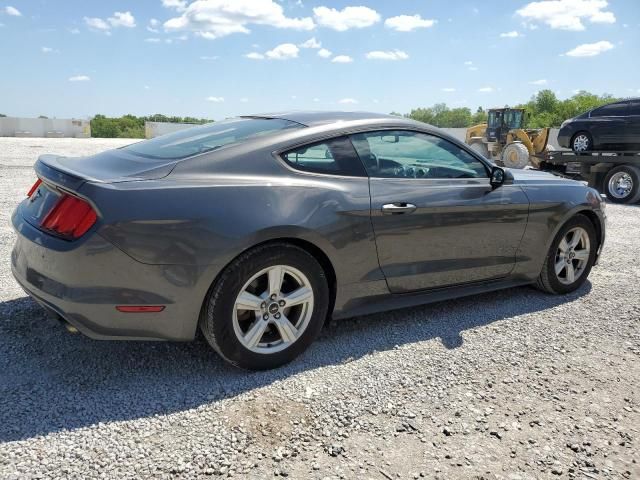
point(218, 58)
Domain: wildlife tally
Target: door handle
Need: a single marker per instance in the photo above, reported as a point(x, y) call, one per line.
point(398, 207)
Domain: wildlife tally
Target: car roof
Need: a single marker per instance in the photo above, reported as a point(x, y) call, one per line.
point(316, 118)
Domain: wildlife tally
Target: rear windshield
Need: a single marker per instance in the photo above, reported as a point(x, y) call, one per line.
point(206, 138)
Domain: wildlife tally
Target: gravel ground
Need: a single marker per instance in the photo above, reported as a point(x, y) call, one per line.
point(513, 385)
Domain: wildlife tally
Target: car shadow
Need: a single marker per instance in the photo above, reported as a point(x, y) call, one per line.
point(51, 380)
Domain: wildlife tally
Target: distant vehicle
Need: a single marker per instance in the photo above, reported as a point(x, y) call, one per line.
point(504, 140)
point(256, 229)
point(614, 127)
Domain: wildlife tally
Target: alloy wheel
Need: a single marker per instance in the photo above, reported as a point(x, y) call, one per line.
point(572, 255)
point(273, 309)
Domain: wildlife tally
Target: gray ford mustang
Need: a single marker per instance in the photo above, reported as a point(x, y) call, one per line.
point(258, 228)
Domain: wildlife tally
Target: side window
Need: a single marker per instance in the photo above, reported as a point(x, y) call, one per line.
point(613, 110)
point(335, 156)
point(634, 109)
point(407, 154)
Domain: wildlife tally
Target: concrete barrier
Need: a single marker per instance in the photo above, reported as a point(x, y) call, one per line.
point(155, 129)
point(44, 127)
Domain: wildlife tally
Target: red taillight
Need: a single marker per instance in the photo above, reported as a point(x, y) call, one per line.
point(139, 308)
point(70, 217)
point(34, 188)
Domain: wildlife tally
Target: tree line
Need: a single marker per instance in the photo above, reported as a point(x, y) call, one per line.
point(544, 109)
point(130, 126)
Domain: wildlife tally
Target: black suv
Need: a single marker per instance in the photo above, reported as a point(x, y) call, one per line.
point(611, 127)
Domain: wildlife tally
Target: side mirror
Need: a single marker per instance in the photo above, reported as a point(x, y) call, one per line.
point(498, 176)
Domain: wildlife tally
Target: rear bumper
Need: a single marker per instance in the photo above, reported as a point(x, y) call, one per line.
point(83, 281)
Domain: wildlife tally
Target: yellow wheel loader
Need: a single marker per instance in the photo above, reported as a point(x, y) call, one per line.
point(503, 140)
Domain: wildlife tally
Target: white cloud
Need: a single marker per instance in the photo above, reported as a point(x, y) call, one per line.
point(215, 99)
point(74, 31)
point(209, 57)
point(542, 81)
point(119, 19)
point(47, 50)
point(12, 11)
point(154, 23)
point(468, 62)
point(146, 87)
point(152, 40)
point(179, 5)
point(347, 101)
point(473, 69)
point(324, 53)
point(79, 78)
point(347, 18)
point(388, 55)
point(448, 89)
point(407, 23)
point(342, 59)
point(284, 51)
point(213, 19)
point(244, 99)
point(512, 34)
point(485, 89)
point(255, 56)
point(316, 99)
point(567, 14)
point(311, 43)
point(97, 23)
point(122, 19)
point(590, 49)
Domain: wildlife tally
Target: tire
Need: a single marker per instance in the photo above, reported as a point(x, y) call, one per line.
point(223, 323)
point(515, 155)
point(480, 148)
point(558, 283)
point(582, 142)
point(622, 184)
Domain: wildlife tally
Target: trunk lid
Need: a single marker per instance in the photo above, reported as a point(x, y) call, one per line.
point(112, 166)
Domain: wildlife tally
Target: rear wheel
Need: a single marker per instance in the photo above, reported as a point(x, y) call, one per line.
point(622, 184)
point(581, 142)
point(267, 307)
point(570, 257)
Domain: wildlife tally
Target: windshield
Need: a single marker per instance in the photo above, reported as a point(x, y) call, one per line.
point(513, 119)
point(206, 138)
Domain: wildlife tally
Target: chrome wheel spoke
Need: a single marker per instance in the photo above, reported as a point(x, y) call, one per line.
point(248, 301)
point(276, 275)
point(571, 273)
point(575, 240)
point(299, 296)
point(564, 245)
point(255, 333)
point(582, 255)
point(287, 331)
point(560, 264)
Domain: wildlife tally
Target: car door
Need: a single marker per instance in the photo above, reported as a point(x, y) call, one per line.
point(608, 124)
point(632, 130)
point(436, 219)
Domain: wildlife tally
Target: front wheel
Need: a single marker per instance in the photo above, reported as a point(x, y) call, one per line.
point(570, 258)
point(581, 142)
point(267, 307)
point(622, 184)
